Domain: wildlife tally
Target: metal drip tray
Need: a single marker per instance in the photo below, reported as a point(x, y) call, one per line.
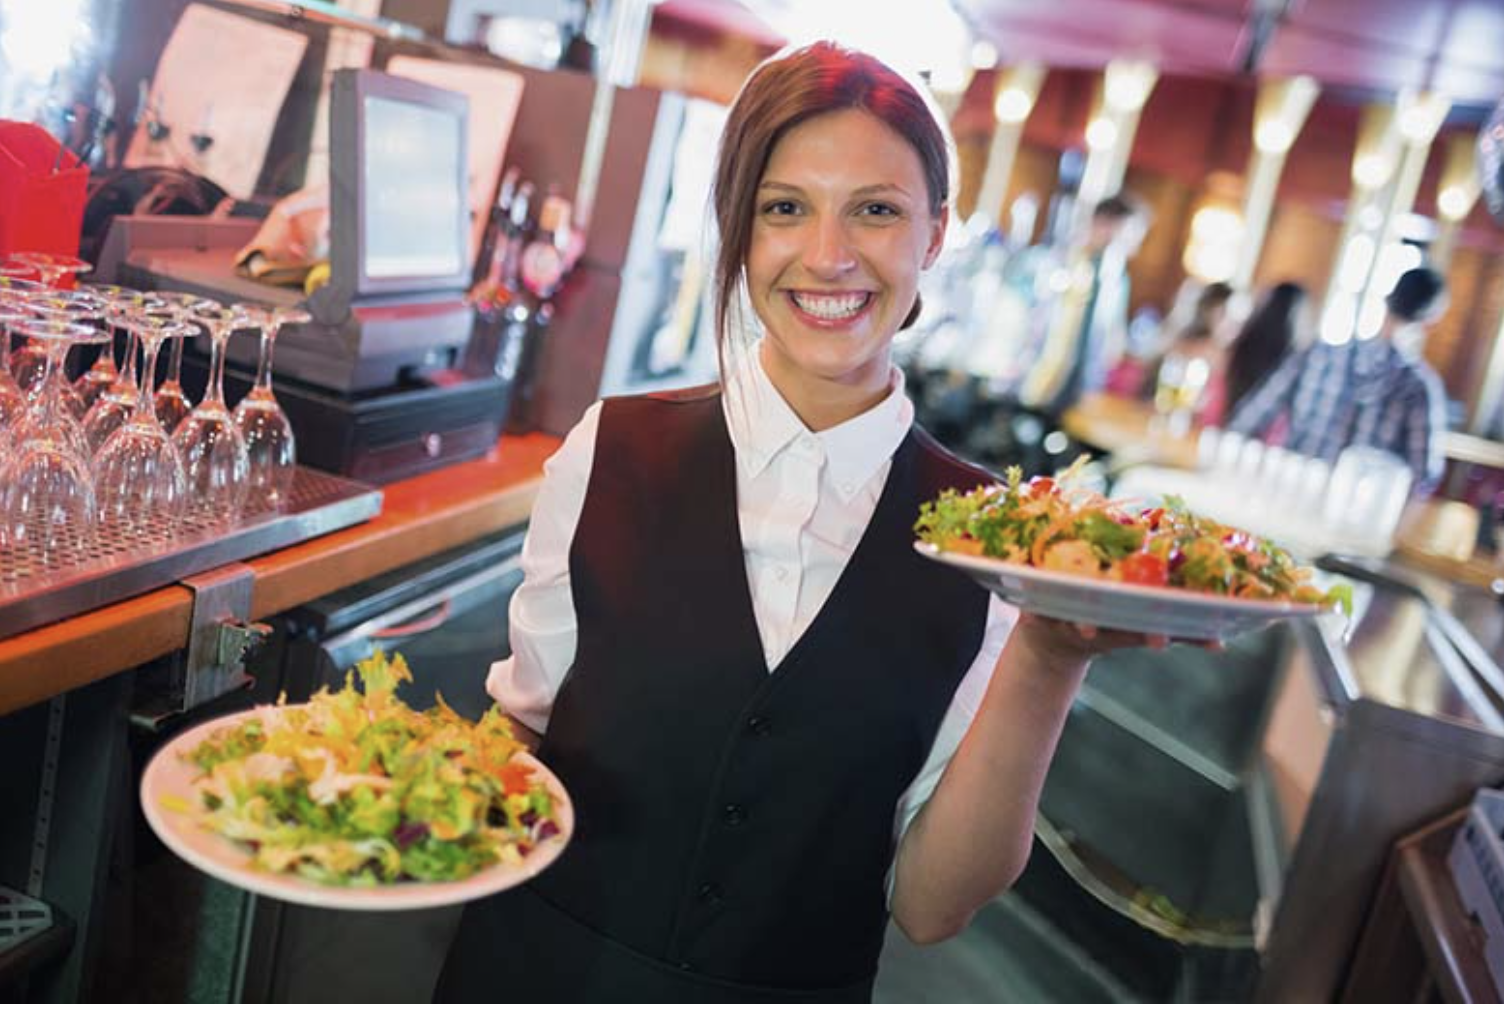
point(121, 563)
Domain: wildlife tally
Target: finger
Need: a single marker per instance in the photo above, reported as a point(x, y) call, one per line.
point(1086, 630)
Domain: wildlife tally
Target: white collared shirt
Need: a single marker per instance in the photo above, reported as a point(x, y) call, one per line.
point(803, 501)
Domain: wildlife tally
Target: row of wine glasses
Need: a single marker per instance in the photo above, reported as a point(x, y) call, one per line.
point(105, 450)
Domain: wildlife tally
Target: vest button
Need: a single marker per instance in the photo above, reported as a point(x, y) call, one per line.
point(733, 815)
point(760, 726)
point(711, 894)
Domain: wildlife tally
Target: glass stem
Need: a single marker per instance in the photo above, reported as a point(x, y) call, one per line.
point(175, 361)
point(50, 410)
point(264, 364)
point(151, 345)
point(128, 372)
point(215, 393)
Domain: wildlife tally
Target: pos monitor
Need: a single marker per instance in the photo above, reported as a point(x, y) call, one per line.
point(398, 187)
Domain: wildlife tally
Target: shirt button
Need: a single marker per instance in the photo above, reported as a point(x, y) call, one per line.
point(733, 815)
point(711, 894)
point(686, 967)
point(781, 572)
point(760, 726)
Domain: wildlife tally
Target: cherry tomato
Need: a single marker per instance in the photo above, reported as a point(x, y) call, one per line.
point(1145, 568)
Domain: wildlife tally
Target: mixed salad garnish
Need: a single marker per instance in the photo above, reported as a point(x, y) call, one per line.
point(1048, 524)
point(356, 788)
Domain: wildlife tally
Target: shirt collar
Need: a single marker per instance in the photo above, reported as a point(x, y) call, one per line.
point(762, 425)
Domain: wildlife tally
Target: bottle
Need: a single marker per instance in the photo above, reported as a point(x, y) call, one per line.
point(542, 268)
point(493, 243)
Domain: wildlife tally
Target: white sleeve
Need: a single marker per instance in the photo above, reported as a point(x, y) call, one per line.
point(542, 623)
point(963, 709)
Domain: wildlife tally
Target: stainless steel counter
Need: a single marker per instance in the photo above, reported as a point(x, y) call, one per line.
point(1237, 810)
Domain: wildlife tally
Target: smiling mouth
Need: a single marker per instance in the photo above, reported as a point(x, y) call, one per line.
point(831, 308)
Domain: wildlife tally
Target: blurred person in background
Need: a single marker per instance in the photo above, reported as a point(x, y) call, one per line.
point(1270, 332)
point(1376, 392)
point(1202, 338)
point(1088, 328)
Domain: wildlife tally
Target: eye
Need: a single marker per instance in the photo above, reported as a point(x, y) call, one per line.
point(879, 209)
point(780, 208)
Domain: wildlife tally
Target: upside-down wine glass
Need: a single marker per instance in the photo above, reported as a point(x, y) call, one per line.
point(268, 433)
point(102, 374)
point(173, 406)
point(210, 443)
point(52, 268)
point(113, 408)
point(138, 474)
point(15, 290)
point(59, 307)
point(12, 399)
point(47, 501)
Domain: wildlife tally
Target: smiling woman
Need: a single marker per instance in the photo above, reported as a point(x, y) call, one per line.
point(752, 686)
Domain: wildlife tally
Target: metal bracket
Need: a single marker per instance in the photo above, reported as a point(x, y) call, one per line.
point(221, 635)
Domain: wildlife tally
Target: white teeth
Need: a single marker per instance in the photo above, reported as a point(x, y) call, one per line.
point(831, 308)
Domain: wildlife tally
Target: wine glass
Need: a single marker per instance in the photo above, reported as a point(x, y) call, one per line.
point(52, 268)
point(268, 433)
point(173, 406)
point(138, 474)
point(12, 399)
point(59, 307)
point(102, 374)
point(112, 409)
point(15, 290)
point(210, 443)
point(47, 501)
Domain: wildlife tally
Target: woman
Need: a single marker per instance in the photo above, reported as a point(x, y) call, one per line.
point(744, 674)
point(1202, 340)
point(1267, 336)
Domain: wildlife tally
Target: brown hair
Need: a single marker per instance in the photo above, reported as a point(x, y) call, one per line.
point(821, 78)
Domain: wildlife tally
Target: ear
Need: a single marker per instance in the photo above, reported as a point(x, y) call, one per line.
point(937, 238)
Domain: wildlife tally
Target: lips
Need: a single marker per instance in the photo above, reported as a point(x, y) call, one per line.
point(830, 308)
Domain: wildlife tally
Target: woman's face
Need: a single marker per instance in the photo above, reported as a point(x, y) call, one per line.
point(841, 231)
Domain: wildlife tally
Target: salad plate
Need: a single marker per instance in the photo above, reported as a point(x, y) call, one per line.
point(172, 790)
point(1140, 608)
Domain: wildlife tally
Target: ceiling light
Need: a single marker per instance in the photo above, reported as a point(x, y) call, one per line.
point(1273, 136)
point(1013, 105)
point(1454, 202)
point(1101, 134)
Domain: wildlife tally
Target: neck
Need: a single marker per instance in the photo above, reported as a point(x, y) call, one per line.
point(823, 403)
point(1406, 335)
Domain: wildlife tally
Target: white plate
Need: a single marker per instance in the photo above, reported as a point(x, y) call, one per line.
point(170, 776)
point(1139, 608)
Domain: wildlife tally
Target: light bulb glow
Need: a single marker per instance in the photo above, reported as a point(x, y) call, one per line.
point(1101, 134)
point(1013, 106)
point(1454, 203)
point(1273, 136)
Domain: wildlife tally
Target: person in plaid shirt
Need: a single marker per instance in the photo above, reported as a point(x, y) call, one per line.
point(1377, 392)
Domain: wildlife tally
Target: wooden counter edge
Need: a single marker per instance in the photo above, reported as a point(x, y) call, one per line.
point(420, 516)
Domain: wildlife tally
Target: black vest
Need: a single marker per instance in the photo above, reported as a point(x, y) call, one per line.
point(734, 823)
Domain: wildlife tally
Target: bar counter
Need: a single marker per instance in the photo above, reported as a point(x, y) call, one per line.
point(420, 516)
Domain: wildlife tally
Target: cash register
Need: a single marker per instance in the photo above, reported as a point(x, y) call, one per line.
point(376, 384)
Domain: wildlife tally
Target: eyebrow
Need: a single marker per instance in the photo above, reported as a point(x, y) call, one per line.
point(865, 190)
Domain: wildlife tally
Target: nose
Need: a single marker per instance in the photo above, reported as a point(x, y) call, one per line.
point(830, 254)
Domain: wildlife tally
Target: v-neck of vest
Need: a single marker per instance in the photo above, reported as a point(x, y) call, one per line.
point(880, 525)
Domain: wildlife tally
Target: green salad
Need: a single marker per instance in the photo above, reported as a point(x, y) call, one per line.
point(356, 788)
point(1044, 523)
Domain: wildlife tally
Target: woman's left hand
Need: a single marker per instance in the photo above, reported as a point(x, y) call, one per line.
point(1065, 642)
